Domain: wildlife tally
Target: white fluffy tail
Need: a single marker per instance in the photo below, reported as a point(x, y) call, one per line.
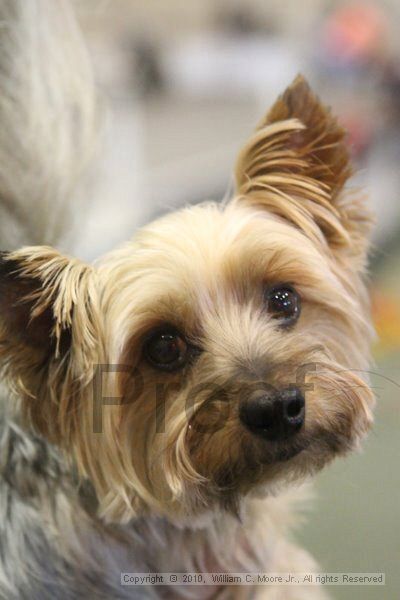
point(48, 119)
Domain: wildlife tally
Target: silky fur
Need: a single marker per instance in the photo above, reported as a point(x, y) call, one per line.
point(150, 471)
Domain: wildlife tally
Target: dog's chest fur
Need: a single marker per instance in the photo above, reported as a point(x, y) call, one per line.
point(51, 546)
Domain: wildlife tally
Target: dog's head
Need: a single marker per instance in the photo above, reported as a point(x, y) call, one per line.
point(221, 352)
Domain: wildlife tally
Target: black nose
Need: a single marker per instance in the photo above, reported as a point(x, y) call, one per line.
point(276, 416)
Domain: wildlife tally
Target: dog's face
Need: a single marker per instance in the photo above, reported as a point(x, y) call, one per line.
point(233, 339)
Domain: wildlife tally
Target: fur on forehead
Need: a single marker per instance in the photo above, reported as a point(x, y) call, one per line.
point(193, 262)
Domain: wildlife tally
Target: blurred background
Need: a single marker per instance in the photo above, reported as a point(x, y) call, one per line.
point(185, 84)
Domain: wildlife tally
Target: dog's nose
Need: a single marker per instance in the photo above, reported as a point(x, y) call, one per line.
point(276, 416)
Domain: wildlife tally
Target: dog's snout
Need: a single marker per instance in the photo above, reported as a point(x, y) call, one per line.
point(276, 416)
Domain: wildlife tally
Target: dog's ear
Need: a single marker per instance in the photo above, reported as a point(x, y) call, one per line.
point(296, 165)
point(48, 329)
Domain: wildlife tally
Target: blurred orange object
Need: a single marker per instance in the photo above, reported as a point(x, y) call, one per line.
point(355, 32)
point(386, 313)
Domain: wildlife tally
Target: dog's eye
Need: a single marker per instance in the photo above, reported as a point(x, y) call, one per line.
point(166, 350)
point(283, 302)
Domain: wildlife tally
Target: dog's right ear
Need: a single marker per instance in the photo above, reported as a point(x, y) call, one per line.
point(48, 328)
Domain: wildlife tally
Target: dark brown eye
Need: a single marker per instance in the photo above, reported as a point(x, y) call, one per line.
point(283, 302)
point(166, 350)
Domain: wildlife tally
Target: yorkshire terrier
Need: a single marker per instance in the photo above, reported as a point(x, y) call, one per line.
point(168, 400)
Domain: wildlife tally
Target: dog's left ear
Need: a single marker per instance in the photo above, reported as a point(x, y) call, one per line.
point(296, 165)
point(48, 330)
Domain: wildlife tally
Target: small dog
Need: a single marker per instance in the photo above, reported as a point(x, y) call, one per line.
point(167, 401)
